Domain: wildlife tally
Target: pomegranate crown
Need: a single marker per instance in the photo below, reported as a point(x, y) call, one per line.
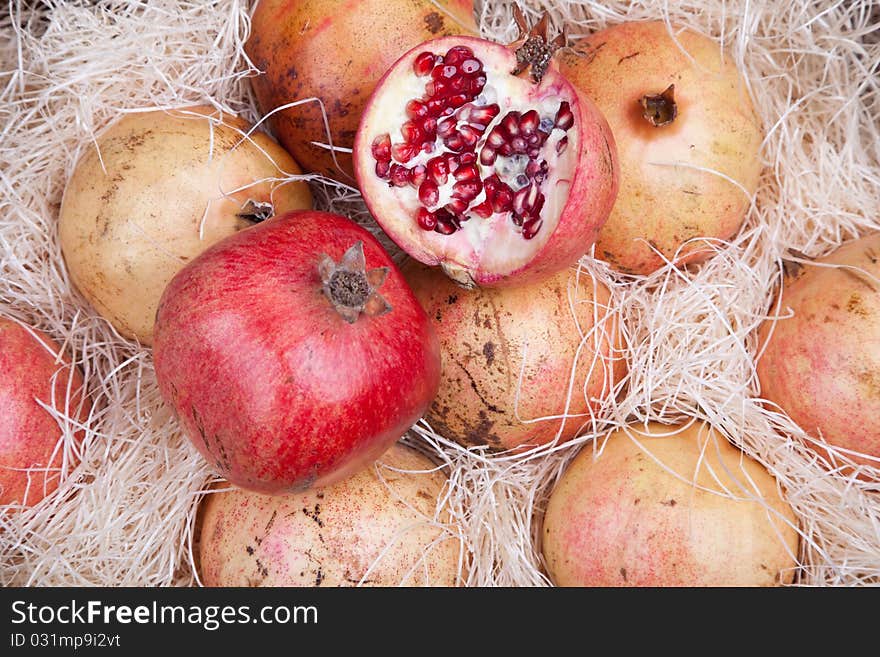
point(533, 47)
point(350, 287)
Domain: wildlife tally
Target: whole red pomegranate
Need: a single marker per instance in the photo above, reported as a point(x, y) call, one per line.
point(30, 454)
point(821, 364)
point(484, 159)
point(510, 355)
point(685, 128)
point(294, 352)
point(336, 50)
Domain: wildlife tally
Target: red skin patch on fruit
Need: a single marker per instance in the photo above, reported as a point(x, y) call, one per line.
point(272, 385)
point(28, 433)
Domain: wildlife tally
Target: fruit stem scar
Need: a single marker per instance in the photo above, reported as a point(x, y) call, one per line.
point(256, 211)
point(350, 287)
point(660, 109)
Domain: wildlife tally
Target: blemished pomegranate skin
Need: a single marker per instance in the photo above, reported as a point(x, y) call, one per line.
point(688, 170)
point(820, 361)
point(336, 51)
point(29, 434)
point(272, 383)
point(498, 178)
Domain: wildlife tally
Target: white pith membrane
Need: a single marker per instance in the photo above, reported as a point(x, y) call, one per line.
point(126, 513)
point(495, 244)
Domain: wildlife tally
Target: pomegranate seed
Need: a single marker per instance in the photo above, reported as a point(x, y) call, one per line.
point(510, 123)
point(459, 85)
point(531, 228)
point(454, 142)
point(423, 64)
point(458, 100)
point(436, 106)
point(446, 127)
point(564, 117)
point(446, 223)
point(532, 168)
point(516, 219)
point(438, 169)
point(519, 201)
point(381, 148)
point(437, 88)
point(469, 135)
point(456, 206)
point(466, 190)
point(403, 152)
point(470, 66)
point(532, 197)
point(496, 138)
point(417, 175)
point(412, 133)
point(382, 168)
point(477, 85)
point(429, 127)
point(426, 219)
point(546, 125)
point(467, 172)
point(533, 151)
point(483, 115)
point(452, 162)
point(399, 175)
point(528, 124)
point(416, 109)
point(561, 144)
point(458, 54)
point(492, 185)
point(487, 156)
point(503, 200)
point(468, 158)
point(539, 205)
point(518, 144)
point(429, 194)
point(506, 150)
point(483, 210)
point(428, 147)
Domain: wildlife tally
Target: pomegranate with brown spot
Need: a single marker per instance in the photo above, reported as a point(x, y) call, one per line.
point(657, 505)
point(379, 527)
point(294, 352)
point(821, 362)
point(521, 365)
point(687, 134)
point(336, 51)
point(485, 160)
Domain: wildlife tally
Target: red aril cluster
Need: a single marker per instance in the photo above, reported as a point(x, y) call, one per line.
point(468, 164)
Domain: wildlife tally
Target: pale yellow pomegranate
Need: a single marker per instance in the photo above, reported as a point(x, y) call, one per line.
point(160, 188)
point(678, 108)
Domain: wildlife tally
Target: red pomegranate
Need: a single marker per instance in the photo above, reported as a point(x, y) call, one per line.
point(336, 51)
point(484, 159)
point(30, 372)
point(294, 352)
point(685, 129)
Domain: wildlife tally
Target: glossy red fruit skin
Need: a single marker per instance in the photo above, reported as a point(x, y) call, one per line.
point(275, 389)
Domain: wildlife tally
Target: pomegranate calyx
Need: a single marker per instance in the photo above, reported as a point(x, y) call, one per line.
point(533, 47)
point(350, 287)
point(256, 211)
point(660, 109)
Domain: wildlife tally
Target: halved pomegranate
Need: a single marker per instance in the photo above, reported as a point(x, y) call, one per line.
point(468, 163)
